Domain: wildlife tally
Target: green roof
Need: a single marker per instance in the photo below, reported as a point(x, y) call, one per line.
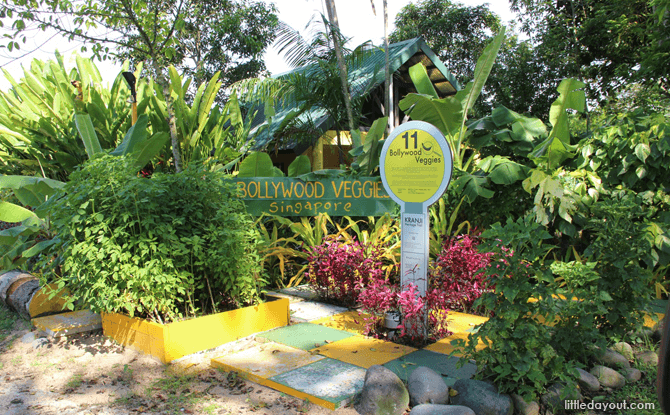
point(365, 76)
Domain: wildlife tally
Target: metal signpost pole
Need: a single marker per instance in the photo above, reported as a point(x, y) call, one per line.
point(416, 166)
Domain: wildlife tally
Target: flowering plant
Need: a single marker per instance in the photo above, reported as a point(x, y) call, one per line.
point(380, 297)
point(337, 269)
point(459, 270)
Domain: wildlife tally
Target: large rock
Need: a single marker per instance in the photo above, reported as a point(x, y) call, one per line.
point(481, 397)
point(631, 375)
point(587, 381)
point(430, 409)
point(608, 378)
point(611, 358)
point(525, 408)
point(427, 386)
point(624, 349)
point(383, 393)
point(649, 358)
point(556, 396)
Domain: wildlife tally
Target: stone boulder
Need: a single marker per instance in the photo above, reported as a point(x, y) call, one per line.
point(587, 381)
point(624, 349)
point(525, 408)
point(608, 378)
point(610, 358)
point(383, 393)
point(427, 386)
point(431, 409)
point(648, 357)
point(631, 375)
point(556, 396)
point(481, 397)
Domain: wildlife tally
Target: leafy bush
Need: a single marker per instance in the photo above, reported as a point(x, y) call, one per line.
point(620, 246)
point(458, 270)
point(380, 297)
point(163, 247)
point(337, 269)
point(519, 356)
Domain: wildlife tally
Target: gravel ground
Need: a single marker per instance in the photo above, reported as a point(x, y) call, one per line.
point(90, 374)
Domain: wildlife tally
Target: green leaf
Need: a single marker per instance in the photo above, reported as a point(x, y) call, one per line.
point(37, 248)
point(501, 170)
point(12, 213)
point(233, 107)
point(175, 80)
point(8, 237)
point(31, 191)
point(256, 164)
point(150, 149)
point(473, 186)
point(445, 114)
point(87, 134)
point(482, 71)
point(136, 135)
point(642, 151)
point(422, 81)
point(301, 165)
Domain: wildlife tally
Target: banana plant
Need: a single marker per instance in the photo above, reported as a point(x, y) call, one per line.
point(367, 155)
point(37, 123)
point(32, 235)
point(135, 143)
point(450, 114)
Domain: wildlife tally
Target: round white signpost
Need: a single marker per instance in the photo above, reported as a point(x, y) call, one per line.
point(416, 166)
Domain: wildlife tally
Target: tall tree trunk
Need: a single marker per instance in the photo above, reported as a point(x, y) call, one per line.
point(171, 119)
point(332, 16)
point(387, 69)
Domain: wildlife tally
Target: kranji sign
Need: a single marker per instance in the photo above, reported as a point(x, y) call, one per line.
point(416, 167)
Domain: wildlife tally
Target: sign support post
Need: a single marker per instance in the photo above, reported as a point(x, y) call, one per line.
point(416, 166)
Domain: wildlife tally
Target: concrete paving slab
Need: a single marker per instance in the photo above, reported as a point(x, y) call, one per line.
point(310, 310)
point(305, 336)
point(302, 291)
point(68, 323)
point(328, 380)
point(363, 351)
point(350, 321)
point(444, 346)
point(265, 360)
point(291, 298)
point(463, 323)
point(440, 363)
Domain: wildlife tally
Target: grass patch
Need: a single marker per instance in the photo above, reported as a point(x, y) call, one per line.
point(9, 321)
point(174, 392)
point(75, 381)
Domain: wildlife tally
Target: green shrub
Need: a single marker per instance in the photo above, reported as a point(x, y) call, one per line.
point(621, 248)
point(165, 247)
point(519, 356)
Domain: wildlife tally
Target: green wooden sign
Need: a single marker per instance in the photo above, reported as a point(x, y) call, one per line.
point(285, 196)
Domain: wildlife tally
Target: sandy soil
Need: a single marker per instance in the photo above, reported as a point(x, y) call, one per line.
point(90, 374)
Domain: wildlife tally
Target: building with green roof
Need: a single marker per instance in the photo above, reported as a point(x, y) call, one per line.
point(366, 80)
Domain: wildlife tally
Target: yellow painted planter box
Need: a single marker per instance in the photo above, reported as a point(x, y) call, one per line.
point(168, 342)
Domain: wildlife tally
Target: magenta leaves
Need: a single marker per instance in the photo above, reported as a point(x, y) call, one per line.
point(337, 269)
point(458, 271)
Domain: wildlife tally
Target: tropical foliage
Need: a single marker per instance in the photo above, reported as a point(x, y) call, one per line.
point(171, 246)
